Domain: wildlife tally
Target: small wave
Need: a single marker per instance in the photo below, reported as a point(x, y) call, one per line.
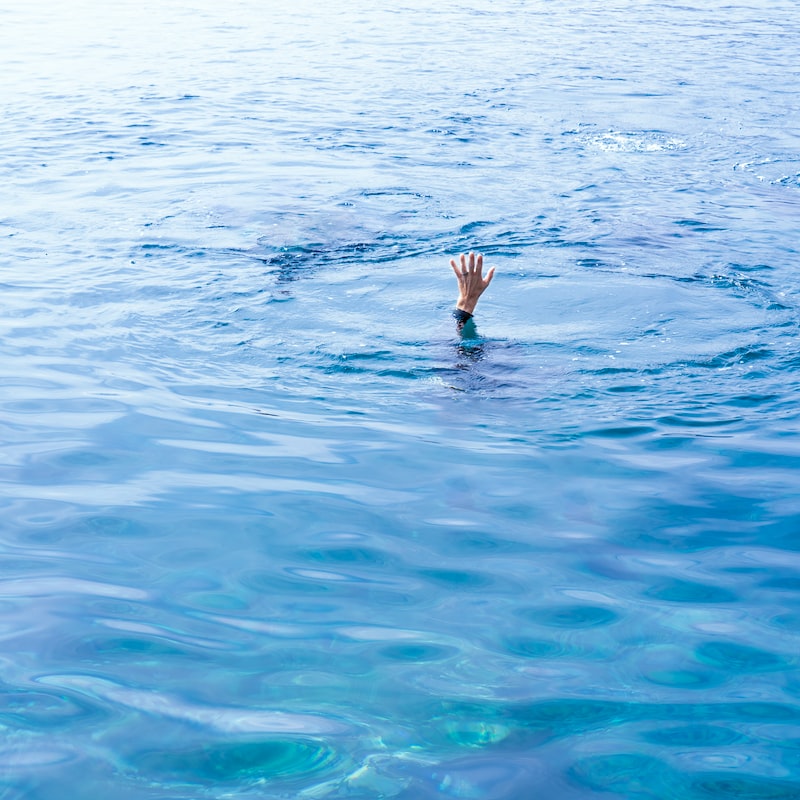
point(225, 719)
point(776, 171)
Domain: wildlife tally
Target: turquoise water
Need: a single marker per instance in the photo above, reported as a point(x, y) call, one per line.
point(271, 528)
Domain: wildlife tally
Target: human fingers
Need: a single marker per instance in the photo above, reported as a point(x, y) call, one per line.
point(455, 267)
point(488, 279)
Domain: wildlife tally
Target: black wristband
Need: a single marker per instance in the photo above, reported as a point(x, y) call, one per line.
point(461, 315)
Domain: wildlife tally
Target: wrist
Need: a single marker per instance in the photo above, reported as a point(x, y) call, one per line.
point(466, 305)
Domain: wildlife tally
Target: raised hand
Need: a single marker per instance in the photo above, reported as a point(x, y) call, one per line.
point(471, 283)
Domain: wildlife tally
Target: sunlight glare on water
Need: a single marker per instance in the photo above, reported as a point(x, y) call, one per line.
point(272, 528)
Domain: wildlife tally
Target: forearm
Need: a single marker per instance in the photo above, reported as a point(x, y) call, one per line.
point(465, 323)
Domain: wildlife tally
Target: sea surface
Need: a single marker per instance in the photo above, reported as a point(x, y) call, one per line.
point(272, 528)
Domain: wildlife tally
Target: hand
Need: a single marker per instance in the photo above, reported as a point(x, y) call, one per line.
point(471, 283)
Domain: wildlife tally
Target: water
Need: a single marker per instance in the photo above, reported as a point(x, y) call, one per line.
point(271, 529)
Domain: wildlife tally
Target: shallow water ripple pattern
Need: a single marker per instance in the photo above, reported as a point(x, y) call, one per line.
point(271, 528)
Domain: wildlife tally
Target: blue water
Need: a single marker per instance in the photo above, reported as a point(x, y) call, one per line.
point(271, 528)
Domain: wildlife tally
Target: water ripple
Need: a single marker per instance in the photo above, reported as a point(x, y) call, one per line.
point(273, 526)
